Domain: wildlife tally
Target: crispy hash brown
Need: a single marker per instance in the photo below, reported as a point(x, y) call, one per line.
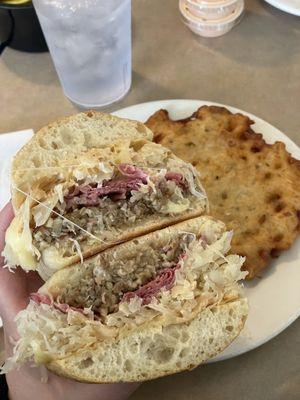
point(252, 186)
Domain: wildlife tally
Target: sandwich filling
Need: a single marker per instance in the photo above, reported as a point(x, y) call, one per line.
point(188, 274)
point(132, 193)
point(103, 287)
point(103, 208)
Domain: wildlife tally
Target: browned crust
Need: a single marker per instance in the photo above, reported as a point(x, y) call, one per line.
point(39, 144)
point(233, 159)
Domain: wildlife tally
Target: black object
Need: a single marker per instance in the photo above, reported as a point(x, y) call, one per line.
point(3, 388)
point(20, 29)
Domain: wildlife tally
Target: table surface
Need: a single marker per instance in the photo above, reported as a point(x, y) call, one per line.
point(255, 67)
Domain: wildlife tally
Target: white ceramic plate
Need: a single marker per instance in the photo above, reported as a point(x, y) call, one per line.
point(289, 6)
point(274, 299)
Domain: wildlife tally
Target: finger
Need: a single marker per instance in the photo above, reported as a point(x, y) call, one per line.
point(6, 215)
point(15, 290)
point(34, 281)
point(14, 296)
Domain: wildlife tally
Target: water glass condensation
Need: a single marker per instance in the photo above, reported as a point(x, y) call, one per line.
point(90, 44)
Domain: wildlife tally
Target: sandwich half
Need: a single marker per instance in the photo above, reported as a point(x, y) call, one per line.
point(73, 201)
point(155, 305)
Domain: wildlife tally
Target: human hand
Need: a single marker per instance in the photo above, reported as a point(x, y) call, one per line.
point(25, 383)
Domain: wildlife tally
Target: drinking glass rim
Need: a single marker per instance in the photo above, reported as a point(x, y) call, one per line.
point(16, 6)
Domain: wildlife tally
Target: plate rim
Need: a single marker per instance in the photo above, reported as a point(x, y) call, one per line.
point(283, 6)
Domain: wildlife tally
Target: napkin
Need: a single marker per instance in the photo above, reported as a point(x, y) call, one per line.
point(10, 143)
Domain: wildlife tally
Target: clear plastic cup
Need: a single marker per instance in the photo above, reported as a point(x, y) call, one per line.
point(90, 44)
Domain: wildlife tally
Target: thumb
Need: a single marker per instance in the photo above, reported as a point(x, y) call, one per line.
point(6, 215)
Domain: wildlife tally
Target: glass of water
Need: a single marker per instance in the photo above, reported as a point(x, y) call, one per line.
point(90, 44)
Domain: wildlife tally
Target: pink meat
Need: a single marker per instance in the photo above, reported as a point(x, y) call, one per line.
point(40, 298)
point(115, 189)
point(164, 279)
point(133, 172)
point(177, 178)
point(44, 299)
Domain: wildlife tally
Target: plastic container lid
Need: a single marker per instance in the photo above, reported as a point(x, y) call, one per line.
point(211, 28)
point(215, 10)
point(212, 3)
